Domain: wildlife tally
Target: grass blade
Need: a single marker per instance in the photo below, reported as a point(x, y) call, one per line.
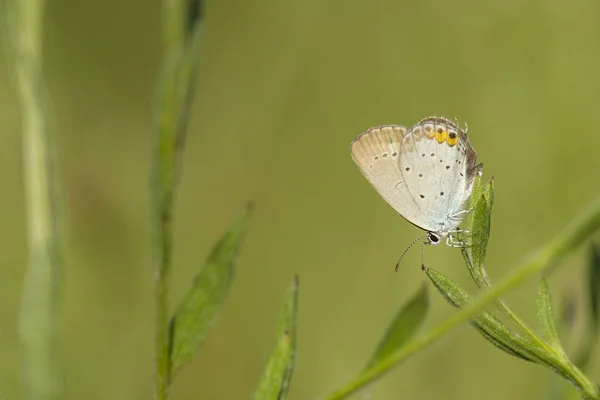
point(275, 381)
point(408, 320)
point(201, 305)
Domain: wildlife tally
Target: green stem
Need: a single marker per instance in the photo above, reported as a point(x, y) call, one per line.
point(167, 156)
point(574, 234)
point(162, 266)
point(588, 389)
point(38, 331)
point(174, 16)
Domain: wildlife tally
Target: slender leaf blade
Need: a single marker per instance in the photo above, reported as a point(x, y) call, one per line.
point(199, 308)
point(478, 224)
point(486, 324)
point(476, 194)
point(408, 320)
point(584, 352)
point(489, 193)
point(275, 381)
point(594, 286)
point(546, 316)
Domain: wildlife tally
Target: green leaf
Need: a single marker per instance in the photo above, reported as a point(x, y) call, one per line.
point(489, 193)
point(486, 324)
point(275, 381)
point(477, 190)
point(479, 224)
point(583, 355)
point(408, 320)
point(196, 313)
point(546, 316)
point(477, 194)
point(194, 15)
point(594, 286)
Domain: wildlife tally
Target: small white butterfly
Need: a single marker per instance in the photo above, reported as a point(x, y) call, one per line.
point(425, 173)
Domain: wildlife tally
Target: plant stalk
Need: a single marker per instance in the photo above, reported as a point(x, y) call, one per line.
point(573, 235)
point(39, 320)
point(168, 147)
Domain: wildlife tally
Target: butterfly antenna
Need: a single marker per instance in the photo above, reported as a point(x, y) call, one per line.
point(408, 248)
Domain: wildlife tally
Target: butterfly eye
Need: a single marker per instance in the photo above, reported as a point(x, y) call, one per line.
point(434, 238)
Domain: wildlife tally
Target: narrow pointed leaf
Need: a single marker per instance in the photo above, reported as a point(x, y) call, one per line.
point(486, 324)
point(408, 320)
point(476, 197)
point(490, 193)
point(478, 189)
point(194, 16)
point(594, 286)
point(546, 316)
point(583, 355)
point(479, 224)
point(515, 343)
point(196, 313)
point(276, 378)
point(558, 389)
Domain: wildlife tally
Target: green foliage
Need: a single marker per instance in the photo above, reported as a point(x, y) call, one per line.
point(199, 308)
point(546, 316)
point(40, 324)
point(478, 226)
point(179, 336)
point(275, 381)
point(405, 324)
point(487, 325)
point(593, 279)
point(586, 342)
point(521, 342)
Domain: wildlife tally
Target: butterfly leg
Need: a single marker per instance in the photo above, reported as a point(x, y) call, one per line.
point(458, 239)
point(459, 215)
point(454, 242)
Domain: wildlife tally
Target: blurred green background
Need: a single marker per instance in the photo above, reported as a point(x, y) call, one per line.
point(283, 89)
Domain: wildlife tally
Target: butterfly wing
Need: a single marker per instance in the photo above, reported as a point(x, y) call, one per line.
point(465, 160)
point(438, 165)
point(376, 153)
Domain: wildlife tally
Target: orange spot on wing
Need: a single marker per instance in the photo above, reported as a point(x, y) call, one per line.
point(441, 136)
point(452, 142)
